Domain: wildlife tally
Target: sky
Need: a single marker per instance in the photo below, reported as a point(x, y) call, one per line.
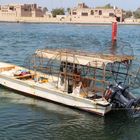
point(50, 4)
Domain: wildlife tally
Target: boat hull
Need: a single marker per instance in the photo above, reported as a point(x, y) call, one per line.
point(62, 98)
point(48, 91)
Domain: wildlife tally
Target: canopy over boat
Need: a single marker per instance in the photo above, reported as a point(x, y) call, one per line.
point(82, 58)
point(96, 74)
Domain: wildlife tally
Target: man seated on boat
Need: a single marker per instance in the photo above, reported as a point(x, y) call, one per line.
point(77, 89)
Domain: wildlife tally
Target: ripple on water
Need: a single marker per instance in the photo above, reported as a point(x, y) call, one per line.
point(25, 118)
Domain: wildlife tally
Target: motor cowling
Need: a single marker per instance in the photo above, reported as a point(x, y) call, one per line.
point(120, 97)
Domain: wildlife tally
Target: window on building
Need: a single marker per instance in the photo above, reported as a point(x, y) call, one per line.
point(84, 14)
point(100, 12)
point(25, 9)
point(4, 10)
point(111, 14)
point(11, 8)
point(92, 12)
point(118, 19)
point(74, 13)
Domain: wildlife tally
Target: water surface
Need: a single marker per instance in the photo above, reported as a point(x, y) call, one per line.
point(26, 118)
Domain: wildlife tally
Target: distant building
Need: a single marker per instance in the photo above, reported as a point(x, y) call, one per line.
point(84, 13)
point(80, 14)
point(17, 10)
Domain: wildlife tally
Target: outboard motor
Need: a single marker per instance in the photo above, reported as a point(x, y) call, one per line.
point(125, 91)
point(120, 97)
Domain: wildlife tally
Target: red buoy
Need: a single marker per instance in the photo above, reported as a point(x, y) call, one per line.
point(114, 31)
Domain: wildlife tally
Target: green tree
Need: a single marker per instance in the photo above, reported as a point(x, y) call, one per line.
point(69, 10)
point(128, 14)
point(45, 9)
point(137, 13)
point(108, 6)
point(58, 11)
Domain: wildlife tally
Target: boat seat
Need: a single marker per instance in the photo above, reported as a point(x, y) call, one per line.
point(25, 76)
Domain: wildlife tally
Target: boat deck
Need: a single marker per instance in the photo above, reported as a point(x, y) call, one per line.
point(30, 79)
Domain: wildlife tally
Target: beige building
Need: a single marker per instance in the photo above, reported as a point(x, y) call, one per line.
point(17, 10)
point(80, 14)
point(84, 13)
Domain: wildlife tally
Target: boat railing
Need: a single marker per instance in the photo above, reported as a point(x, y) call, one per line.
point(2, 69)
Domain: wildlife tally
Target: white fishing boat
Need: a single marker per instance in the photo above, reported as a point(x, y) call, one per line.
point(71, 78)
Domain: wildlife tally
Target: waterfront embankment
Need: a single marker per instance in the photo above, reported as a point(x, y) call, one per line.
point(60, 21)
